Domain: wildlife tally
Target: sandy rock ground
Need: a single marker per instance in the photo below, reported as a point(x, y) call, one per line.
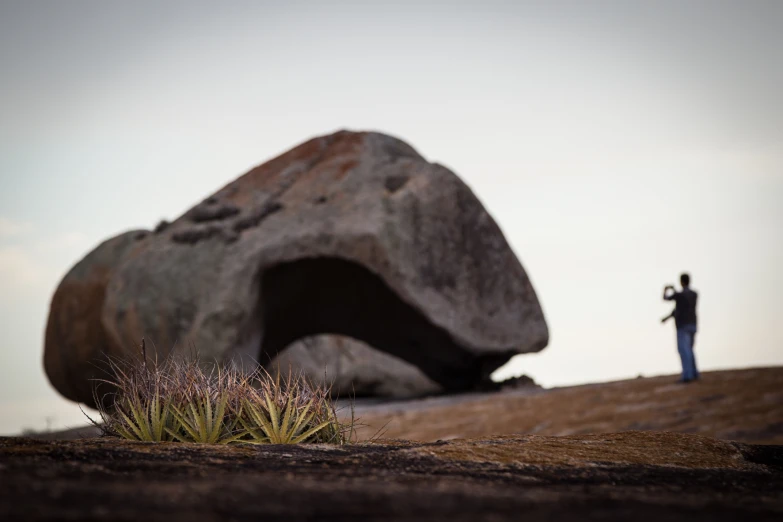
point(637, 476)
point(740, 405)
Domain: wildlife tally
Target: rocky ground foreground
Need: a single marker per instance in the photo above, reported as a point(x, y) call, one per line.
point(644, 449)
point(629, 476)
point(641, 449)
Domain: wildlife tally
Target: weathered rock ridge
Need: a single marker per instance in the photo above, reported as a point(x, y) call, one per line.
point(353, 234)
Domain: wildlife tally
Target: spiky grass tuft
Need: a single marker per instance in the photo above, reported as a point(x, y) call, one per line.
point(287, 413)
point(188, 401)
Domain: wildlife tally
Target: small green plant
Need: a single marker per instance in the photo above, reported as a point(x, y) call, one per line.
point(186, 401)
point(140, 421)
point(283, 413)
point(138, 411)
point(199, 422)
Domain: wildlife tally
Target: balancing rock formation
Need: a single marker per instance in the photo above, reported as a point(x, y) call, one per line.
point(353, 234)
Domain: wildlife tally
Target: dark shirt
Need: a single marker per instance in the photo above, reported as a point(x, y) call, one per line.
point(685, 309)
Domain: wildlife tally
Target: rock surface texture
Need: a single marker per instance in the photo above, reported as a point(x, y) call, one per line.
point(638, 476)
point(75, 336)
point(353, 234)
point(743, 405)
point(352, 368)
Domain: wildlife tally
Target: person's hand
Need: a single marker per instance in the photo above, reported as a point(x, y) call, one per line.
point(668, 287)
point(665, 319)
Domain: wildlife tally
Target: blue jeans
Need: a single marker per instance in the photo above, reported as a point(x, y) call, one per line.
point(686, 335)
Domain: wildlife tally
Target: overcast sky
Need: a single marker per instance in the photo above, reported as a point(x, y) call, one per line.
point(616, 144)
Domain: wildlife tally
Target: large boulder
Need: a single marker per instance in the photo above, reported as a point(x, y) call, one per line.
point(353, 234)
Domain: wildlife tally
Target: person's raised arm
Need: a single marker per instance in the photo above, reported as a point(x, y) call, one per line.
point(666, 295)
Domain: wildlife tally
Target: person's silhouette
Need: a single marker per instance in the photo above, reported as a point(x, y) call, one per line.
point(684, 314)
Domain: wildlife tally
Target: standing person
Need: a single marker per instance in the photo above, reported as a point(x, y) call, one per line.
point(684, 314)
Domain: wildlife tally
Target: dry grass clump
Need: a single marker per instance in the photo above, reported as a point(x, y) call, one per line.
point(187, 401)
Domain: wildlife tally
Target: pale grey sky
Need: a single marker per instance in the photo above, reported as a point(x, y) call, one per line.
point(616, 143)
